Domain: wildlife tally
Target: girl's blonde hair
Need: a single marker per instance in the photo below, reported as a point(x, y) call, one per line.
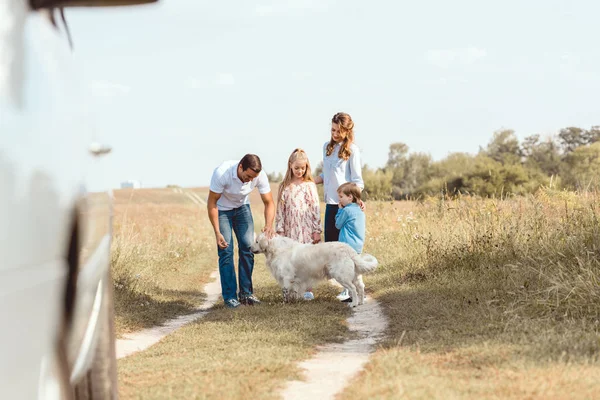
point(346, 125)
point(297, 155)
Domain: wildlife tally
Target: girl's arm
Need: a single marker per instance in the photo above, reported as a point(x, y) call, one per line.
point(280, 215)
point(315, 210)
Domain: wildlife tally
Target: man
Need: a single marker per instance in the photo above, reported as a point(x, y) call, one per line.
point(229, 209)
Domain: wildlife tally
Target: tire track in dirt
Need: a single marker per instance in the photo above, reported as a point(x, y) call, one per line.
point(141, 340)
point(330, 370)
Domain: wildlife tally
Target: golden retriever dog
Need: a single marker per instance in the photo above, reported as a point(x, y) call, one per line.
point(297, 266)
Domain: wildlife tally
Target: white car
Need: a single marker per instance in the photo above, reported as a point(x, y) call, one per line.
point(57, 338)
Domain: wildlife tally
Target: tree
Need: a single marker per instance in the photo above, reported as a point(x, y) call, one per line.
point(593, 135)
point(582, 167)
point(543, 156)
point(490, 178)
point(571, 138)
point(504, 147)
point(416, 171)
point(397, 155)
point(275, 177)
point(378, 183)
point(448, 175)
point(396, 162)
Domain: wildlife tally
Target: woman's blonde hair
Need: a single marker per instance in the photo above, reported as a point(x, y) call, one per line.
point(346, 126)
point(297, 155)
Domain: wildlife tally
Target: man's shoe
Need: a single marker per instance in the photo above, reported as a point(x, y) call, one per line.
point(249, 300)
point(232, 303)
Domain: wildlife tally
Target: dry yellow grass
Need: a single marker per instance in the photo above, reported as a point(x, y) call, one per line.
point(162, 255)
point(486, 299)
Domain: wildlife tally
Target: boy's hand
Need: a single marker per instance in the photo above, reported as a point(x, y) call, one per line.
point(340, 205)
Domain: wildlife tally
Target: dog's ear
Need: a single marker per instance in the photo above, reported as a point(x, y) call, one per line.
point(263, 241)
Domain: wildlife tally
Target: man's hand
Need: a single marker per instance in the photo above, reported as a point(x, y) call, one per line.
point(268, 231)
point(221, 242)
point(316, 236)
point(362, 205)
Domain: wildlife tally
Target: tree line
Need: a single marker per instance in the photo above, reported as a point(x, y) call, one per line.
point(568, 160)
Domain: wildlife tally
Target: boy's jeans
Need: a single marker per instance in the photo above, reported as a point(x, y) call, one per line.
point(238, 220)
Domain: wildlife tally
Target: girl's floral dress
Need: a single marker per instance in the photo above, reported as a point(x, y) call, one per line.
point(298, 213)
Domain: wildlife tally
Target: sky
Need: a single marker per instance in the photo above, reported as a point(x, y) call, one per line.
point(180, 86)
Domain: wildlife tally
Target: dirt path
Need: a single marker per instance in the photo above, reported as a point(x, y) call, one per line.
point(145, 338)
point(330, 370)
point(326, 374)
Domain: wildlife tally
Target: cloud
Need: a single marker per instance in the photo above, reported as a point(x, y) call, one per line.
point(109, 89)
point(195, 83)
point(569, 60)
point(288, 7)
point(221, 79)
point(225, 79)
point(446, 58)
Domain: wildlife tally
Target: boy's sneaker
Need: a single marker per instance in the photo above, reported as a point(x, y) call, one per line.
point(232, 303)
point(309, 296)
point(347, 300)
point(249, 300)
point(343, 295)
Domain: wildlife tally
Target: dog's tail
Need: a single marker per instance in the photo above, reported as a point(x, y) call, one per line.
point(365, 263)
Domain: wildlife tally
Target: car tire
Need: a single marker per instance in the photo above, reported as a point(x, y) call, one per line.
point(100, 382)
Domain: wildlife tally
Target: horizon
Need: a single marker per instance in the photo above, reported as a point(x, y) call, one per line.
point(218, 81)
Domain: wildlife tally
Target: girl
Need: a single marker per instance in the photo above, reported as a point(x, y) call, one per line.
point(341, 164)
point(298, 214)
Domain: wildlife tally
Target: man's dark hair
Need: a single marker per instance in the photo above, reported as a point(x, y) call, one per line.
point(251, 161)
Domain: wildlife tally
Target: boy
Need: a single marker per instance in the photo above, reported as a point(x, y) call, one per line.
point(350, 220)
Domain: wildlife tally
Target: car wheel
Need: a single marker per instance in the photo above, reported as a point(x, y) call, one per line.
point(100, 382)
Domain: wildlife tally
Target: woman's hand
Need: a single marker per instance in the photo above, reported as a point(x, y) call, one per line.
point(362, 205)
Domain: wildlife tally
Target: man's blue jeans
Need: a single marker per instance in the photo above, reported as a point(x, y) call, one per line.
point(238, 220)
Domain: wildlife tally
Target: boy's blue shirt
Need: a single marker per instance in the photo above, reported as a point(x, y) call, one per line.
point(351, 222)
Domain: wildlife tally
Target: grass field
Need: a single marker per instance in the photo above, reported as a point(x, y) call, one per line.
point(162, 255)
point(486, 299)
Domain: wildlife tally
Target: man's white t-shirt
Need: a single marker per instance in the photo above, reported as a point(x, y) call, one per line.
point(234, 192)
